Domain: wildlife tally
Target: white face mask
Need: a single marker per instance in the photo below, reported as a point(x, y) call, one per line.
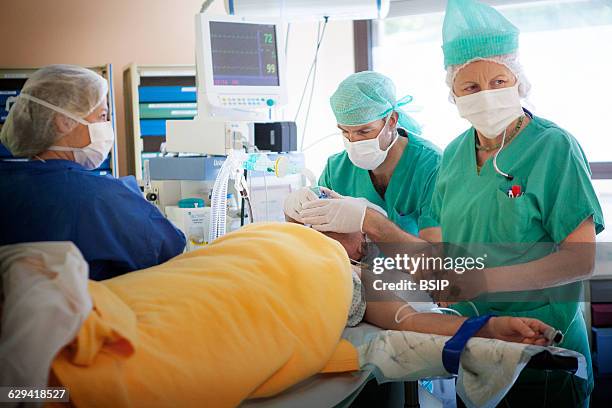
point(101, 135)
point(491, 112)
point(367, 154)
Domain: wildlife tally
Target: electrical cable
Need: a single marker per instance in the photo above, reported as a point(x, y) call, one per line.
point(399, 309)
point(308, 77)
point(473, 307)
point(242, 200)
point(312, 90)
point(448, 309)
point(402, 307)
point(321, 139)
point(313, 66)
point(205, 6)
point(287, 39)
point(248, 200)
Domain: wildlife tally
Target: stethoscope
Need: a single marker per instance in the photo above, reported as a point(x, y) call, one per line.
point(503, 143)
point(506, 175)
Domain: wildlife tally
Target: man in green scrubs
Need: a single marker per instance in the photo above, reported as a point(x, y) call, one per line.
point(386, 168)
point(514, 178)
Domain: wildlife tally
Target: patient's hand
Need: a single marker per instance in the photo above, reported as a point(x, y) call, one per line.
point(516, 329)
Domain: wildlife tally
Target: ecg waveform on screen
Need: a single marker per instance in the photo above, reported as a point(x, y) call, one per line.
point(237, 68)
point(235, 36)
point(244, 54)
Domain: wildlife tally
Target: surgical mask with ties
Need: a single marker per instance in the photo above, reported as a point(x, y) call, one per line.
point(101, 135)
point(367, 154)
point(491, 112)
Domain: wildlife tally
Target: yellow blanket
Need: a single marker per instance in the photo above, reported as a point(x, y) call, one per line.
point(248, 316)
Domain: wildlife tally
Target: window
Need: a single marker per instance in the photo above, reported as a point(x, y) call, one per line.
point(604, 192)
point(566, 50)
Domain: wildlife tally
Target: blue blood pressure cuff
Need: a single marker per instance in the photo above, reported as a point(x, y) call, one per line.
point(451, 354)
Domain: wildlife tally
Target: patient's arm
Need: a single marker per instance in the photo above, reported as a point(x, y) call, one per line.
point(385, 316)
point(515, 329)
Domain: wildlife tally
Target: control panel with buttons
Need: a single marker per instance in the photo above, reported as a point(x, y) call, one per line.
point(238, 101)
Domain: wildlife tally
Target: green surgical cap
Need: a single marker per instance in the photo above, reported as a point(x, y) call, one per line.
point(475, 30)
point(368, 96)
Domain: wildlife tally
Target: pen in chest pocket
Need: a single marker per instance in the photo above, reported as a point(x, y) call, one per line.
point(515, 191)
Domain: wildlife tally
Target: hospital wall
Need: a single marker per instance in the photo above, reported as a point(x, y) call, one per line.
point(37, 33)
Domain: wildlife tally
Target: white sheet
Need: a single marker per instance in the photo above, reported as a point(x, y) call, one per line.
point(487, 371)
point(45, 300)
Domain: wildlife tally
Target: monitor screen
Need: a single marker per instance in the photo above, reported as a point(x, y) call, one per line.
point(244, 54)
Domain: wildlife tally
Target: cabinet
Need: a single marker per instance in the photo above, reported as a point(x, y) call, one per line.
point(154, 94)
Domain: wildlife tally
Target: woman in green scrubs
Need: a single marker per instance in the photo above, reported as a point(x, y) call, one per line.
point(518, 180)
point(386, 168)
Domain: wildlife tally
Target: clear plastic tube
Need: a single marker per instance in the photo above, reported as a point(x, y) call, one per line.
point(448, 309)
point(218, 201)
point(310, 177)
point(432, 310)
point(280, 166)
point(259, 162)
point(238, 161)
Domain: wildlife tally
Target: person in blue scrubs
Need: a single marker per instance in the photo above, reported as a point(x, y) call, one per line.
point(60, 129)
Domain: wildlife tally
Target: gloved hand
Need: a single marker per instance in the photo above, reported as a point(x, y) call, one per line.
point(333, 194)
point(295, 200)
point(337, 214)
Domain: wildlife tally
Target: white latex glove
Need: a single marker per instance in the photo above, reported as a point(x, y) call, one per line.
point(333, 194)
point(295, 200)
point(337, 214)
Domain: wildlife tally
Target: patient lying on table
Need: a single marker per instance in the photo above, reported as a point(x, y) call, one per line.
point(248, 316)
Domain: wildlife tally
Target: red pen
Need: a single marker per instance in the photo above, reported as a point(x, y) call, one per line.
point(516, 191)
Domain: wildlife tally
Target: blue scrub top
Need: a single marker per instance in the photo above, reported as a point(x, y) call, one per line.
point(115, 228)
